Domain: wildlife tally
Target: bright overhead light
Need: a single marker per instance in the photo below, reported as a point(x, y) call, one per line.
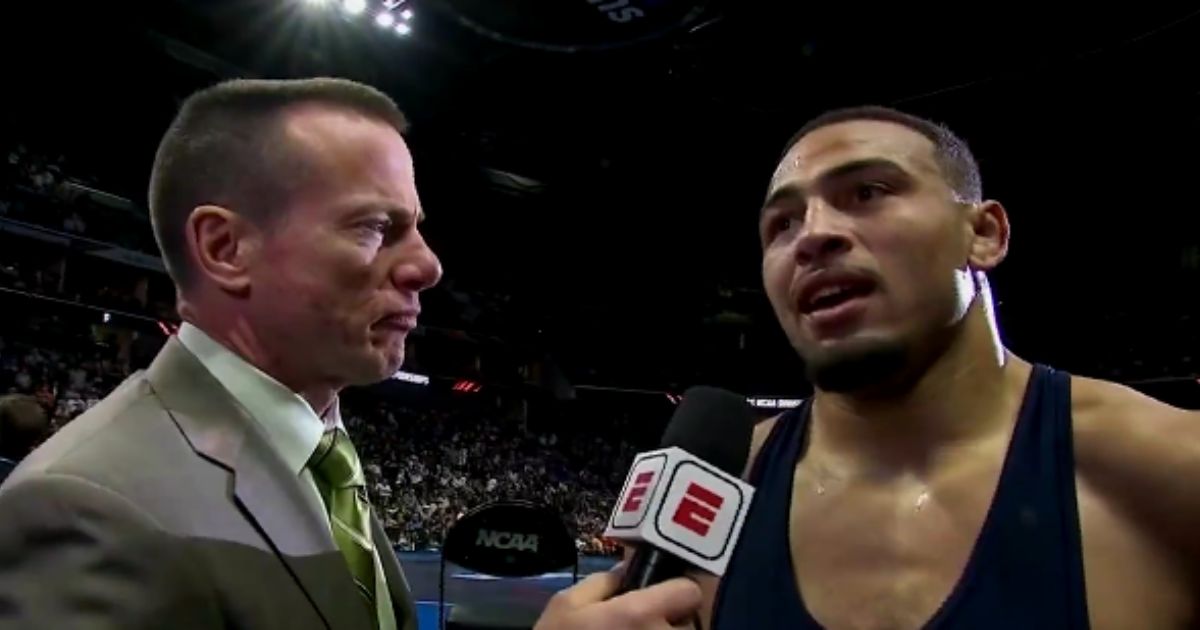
point(315, 3)
point(406, 14)
point(403, 29)
point(385, 19)
point(355, 6)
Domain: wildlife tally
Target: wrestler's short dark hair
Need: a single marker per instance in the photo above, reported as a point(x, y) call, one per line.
point(953, 156)
point(226, 148)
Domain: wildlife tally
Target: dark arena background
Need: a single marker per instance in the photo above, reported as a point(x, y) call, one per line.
point(592, 174)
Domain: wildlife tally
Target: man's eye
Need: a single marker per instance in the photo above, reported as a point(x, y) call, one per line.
point(776, 226)
point(869, 192)
point(377, 226)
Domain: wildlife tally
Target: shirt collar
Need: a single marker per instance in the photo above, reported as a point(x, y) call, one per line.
point(291, 425)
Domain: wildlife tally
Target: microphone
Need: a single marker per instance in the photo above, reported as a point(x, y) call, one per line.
point(683, 505)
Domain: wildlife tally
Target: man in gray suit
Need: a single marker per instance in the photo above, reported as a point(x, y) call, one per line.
point(218, 489)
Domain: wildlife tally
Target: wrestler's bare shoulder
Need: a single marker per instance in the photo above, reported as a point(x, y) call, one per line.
point(1137, 463)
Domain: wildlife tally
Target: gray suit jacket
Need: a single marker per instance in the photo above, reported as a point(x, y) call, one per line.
point(164, 507)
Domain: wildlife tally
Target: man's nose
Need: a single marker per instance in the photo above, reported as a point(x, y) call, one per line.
point(418, 267)
point(824, 235)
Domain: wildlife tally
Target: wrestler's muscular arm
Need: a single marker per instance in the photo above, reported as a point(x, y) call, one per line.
point(1138, 473)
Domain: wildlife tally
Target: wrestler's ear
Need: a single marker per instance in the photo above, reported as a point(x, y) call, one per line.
point(987, 233)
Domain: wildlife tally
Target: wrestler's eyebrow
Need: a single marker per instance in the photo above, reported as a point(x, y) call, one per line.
point(797, 190)
point(785, 193)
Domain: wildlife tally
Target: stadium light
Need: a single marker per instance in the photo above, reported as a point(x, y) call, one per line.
point(385, 19)
point(355, 7)
point(406, 14)
point(403, 29)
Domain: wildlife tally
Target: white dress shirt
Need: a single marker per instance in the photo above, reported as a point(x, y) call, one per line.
point(292, 427)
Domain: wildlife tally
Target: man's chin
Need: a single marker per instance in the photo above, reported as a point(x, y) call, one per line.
point(375, 371)
point(855, 366)
point(389, 369)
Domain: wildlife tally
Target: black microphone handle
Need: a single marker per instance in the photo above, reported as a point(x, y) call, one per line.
point(649, 566)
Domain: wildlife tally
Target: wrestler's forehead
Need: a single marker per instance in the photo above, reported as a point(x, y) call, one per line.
point(834, 145)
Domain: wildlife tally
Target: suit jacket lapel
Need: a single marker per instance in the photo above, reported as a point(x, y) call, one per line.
point(402, 599)
point(271, 496)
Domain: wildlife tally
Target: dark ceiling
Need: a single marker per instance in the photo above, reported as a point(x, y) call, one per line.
point(650, 160)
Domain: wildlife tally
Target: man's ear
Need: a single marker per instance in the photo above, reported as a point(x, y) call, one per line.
point(223, 244)
point(989, 234)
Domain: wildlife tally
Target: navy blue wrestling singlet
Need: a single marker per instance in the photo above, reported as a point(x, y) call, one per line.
point(1026, 570)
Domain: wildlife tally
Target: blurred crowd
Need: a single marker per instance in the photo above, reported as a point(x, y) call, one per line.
point(45, 188)
point(425, 468)
point(64, 367)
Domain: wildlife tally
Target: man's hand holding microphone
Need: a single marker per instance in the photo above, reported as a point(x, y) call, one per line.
point(681, 509)
point(590, 605)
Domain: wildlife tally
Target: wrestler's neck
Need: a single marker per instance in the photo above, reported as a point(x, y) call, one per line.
point(970, 392)
point(234, 331)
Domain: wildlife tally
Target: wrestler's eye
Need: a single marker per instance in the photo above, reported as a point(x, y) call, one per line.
point(775, 225)
point(867, 192)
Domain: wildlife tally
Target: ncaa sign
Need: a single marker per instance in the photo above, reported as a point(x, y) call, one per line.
point(507, 540)
point(510, 539)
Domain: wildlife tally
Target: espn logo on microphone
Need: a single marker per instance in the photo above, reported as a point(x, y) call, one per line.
point(695, 510)
point(639, 490)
